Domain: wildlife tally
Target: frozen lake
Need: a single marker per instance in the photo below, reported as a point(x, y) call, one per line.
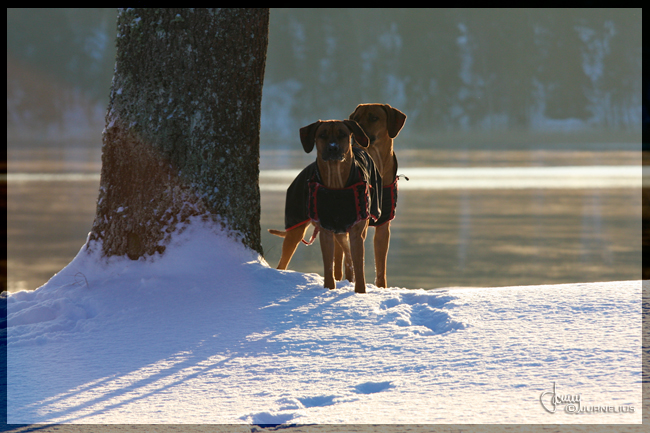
point(465, 218)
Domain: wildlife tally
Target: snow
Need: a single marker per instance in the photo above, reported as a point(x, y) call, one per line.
point(209, 333)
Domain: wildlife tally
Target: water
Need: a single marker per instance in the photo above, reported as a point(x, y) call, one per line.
point(461, 221)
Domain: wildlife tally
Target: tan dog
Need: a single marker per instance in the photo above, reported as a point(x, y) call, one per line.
point(381, 123)
point(339, 194)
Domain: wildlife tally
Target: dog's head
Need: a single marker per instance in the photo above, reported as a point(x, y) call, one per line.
point(379, 121)
point(333, 138)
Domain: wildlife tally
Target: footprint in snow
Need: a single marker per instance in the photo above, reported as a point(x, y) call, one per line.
point(437, 321)
point(430, 298)
point(372, 387)
point(421, 311)
point(318, 401)
point(270, 419)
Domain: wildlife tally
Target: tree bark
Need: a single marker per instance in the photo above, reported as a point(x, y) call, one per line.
point(182, 127)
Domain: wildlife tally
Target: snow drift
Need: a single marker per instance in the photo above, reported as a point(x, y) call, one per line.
point(209, 333)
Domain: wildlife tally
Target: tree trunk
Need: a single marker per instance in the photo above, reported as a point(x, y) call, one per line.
point(182, 127)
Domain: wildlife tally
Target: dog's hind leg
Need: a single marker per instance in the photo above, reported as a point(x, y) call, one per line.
point(327, 242)
point(342, 257)
point(291, 240)
point(381, 242)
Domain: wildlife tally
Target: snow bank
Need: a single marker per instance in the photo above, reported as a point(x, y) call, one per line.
point(209, 333)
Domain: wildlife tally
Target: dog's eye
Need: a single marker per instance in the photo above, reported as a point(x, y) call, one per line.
point(323, 135)
point(372, 118)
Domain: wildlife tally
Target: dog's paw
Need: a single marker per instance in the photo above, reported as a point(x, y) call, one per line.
point(330, 283)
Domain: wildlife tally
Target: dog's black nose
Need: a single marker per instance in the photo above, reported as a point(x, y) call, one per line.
point(332, 148)
point(332, 152)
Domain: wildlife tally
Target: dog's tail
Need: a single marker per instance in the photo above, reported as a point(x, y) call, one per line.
point(278, 232)
point(283, 234)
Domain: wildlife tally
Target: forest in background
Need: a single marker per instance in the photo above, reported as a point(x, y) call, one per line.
point(455, 72)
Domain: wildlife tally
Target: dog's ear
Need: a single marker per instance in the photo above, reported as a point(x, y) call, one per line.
point(308, 136)
point(360, 136)
point(394, 120)
point(351, 116)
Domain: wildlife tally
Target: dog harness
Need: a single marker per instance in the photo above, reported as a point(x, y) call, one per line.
point(335, 209)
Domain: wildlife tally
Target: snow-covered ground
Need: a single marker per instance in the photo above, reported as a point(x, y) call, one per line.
point(209, 333)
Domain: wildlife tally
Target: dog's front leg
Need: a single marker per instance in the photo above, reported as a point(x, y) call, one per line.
point(338, 261)
point(326, 238)
point(381, 242)
point(357, 250)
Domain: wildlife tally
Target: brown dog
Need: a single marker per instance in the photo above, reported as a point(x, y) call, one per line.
point(339, 194)
point(381, 123)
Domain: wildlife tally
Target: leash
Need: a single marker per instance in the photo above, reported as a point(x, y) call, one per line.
point(313, 237)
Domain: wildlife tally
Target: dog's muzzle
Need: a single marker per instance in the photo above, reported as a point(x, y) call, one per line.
point(332, 152)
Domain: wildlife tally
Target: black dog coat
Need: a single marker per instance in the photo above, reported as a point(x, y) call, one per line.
point(335, 209)
point(389, 199)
